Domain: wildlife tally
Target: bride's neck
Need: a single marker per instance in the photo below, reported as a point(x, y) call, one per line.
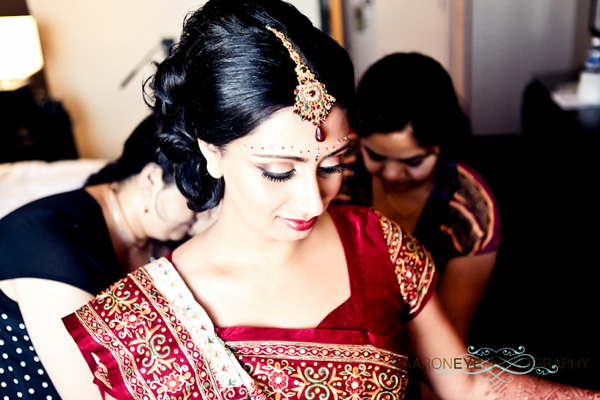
point(230, 242)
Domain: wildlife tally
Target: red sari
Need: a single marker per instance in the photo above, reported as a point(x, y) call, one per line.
point(147, 338)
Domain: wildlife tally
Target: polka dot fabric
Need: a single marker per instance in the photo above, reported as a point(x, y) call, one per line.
point(22, 375)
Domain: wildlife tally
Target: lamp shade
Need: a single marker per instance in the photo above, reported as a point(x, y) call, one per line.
point(20, 51)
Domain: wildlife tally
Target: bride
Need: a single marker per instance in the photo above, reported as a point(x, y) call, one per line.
point(284, 296)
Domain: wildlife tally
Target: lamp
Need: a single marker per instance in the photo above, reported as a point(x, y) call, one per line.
point(31, 127)
point(20, 51)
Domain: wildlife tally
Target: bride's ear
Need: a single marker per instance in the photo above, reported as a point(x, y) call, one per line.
point(212, 154)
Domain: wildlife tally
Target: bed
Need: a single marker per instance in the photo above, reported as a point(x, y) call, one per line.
point(24, 181)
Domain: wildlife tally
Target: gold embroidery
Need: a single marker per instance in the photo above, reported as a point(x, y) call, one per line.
point(305, 370)
point(413, 264)
point(319, 351)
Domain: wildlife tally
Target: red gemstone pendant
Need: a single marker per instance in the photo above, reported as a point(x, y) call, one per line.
point(319, 135)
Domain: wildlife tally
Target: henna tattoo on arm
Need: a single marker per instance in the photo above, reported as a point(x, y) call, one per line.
point(530, 387)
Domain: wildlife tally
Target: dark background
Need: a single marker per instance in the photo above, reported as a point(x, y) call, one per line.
point(544, 294)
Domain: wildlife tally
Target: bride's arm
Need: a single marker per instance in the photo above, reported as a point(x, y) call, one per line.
point(433, 338)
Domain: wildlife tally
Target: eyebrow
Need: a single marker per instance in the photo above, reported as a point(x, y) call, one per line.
point(302, 159)
point(402, 160)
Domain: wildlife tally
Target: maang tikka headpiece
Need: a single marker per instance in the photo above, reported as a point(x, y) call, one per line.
point(312, 101)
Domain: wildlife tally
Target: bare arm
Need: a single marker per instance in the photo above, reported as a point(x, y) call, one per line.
point(433, 338)
point(462, 285)
point(43, 303)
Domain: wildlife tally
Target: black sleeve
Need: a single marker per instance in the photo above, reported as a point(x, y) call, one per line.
point(62, 238)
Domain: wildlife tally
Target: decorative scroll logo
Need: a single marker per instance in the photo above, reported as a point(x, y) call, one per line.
point(498, 364)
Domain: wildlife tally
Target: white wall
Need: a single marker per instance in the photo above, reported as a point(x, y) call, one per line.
point(512, 40)
point(90, 48)
point(491, 48)
point(398, 26)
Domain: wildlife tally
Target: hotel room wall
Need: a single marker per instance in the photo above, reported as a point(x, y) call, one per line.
point(91, 47)
point(492, 49)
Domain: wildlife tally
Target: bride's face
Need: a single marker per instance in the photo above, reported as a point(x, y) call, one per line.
point(279, 179)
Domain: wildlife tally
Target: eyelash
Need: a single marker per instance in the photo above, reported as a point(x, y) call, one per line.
point(374, 156)
point(278, 176)
point(415, 163)
point(335, 169)
point(286, 176)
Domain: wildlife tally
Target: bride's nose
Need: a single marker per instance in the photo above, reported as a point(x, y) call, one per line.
point(310, 199)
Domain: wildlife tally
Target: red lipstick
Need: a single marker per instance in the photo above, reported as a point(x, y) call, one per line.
point(299, 224)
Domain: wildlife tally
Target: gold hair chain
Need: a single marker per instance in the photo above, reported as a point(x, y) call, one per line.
point(313, 103)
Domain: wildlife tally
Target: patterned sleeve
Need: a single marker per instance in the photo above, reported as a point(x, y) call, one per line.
point(473, 220)
point(413, 265)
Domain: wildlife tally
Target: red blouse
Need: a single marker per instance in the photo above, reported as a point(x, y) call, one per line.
point(146, 337)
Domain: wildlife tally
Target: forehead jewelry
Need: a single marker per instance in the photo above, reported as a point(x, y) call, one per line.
point(313, 103)
point(290, 149)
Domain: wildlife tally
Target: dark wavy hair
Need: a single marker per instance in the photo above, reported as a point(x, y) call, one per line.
point(228, 73)
point(405, 89)
point(141, 148)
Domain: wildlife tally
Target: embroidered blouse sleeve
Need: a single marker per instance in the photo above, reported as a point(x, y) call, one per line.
point(473, 221)
point(413, 265)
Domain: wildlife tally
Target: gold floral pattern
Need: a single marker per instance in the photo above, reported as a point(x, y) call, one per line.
point(323, 371)
point(413, 264)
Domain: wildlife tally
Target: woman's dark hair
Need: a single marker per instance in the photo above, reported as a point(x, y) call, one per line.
point(228, 73)
point(411, 88)
point(140, 149)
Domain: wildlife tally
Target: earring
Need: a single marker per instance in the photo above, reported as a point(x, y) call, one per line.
point(147, 199)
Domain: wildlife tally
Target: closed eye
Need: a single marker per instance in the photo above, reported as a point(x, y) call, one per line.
point(334, 169)
point(277, 176)
point(374, 156)
point(415, 161)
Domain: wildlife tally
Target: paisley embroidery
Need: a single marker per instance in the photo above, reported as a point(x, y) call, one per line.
point(413, 264)
point(101, 373)
point(472, 224)
point(323, 371)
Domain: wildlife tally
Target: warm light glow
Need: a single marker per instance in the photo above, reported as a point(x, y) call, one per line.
point(20, 51)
